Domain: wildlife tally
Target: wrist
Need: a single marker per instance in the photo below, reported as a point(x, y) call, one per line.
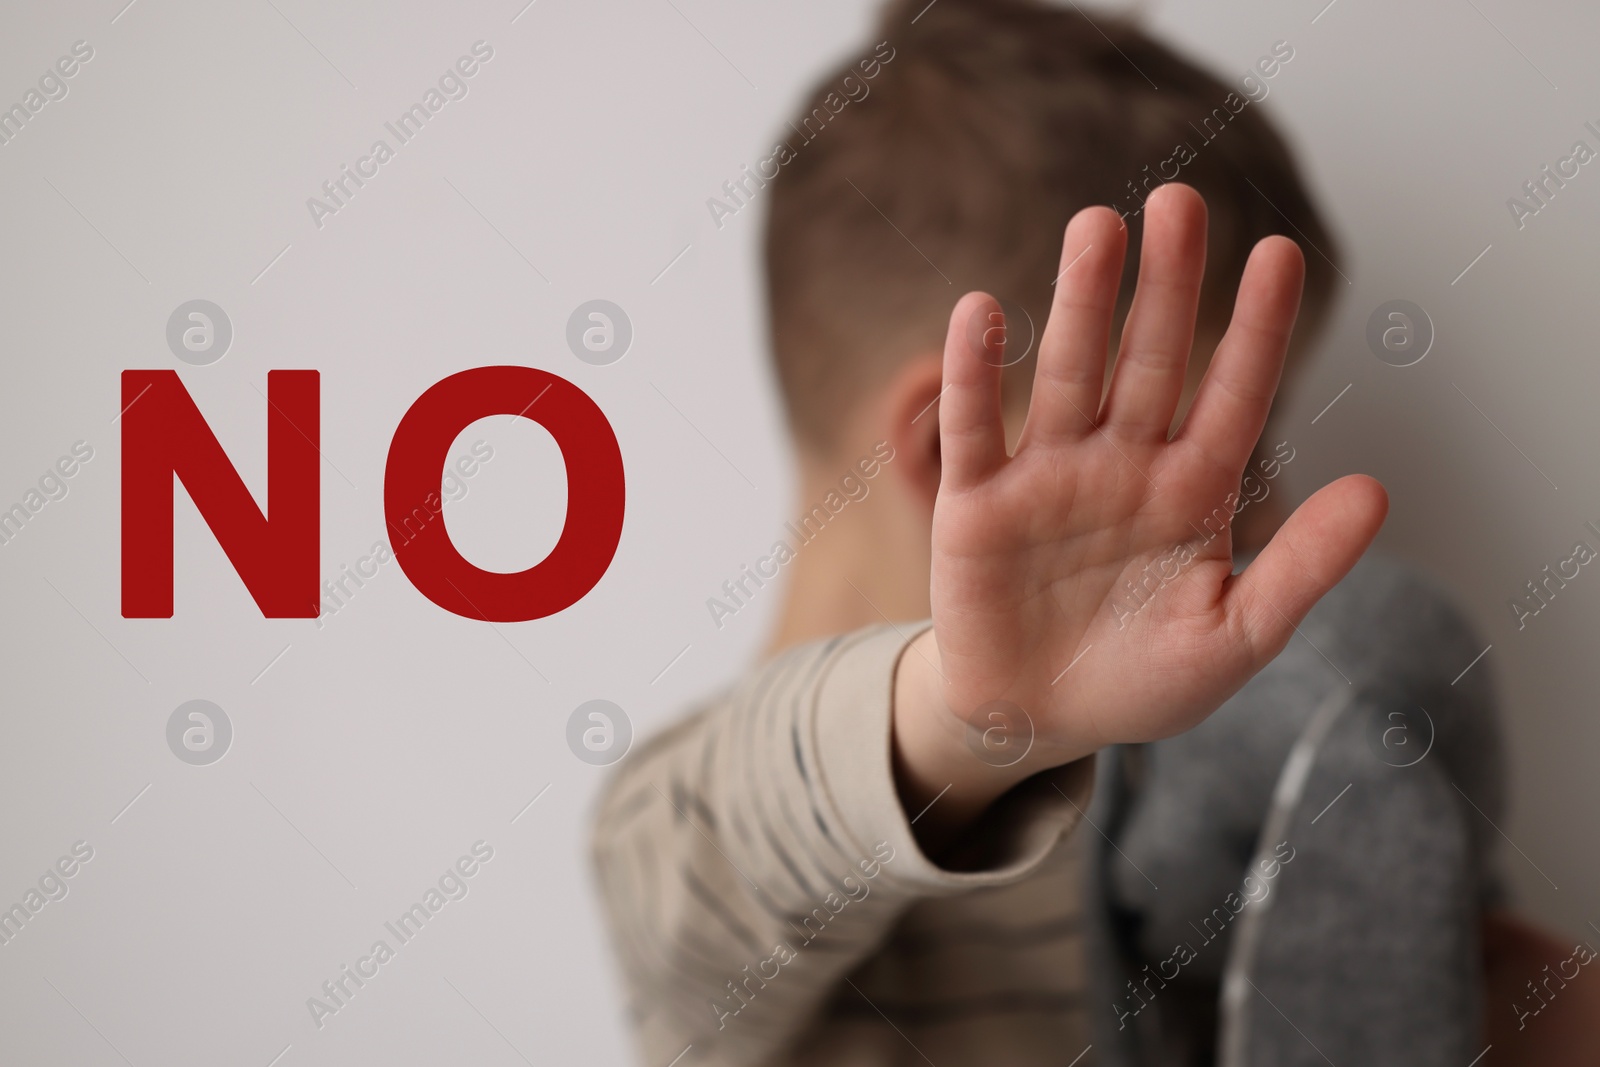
point(951, 763)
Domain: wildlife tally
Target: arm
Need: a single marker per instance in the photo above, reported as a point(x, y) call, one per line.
point(753, 857)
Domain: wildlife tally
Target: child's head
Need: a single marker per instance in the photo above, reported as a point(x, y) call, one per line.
point(950, 157)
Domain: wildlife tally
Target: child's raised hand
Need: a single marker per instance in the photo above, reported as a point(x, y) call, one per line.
point(1034, 553)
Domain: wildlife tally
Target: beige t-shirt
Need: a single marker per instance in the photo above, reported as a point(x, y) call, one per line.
point(769, 904)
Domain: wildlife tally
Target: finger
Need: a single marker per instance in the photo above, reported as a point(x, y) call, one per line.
point(1311, 554)
point(1148, 380)
point(1072, 353)
point(972, 438)
point(1231, 407)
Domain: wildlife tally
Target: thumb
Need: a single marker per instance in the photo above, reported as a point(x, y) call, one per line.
point(1311, 554)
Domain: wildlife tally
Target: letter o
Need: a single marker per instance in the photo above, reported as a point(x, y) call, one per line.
point(595, 493)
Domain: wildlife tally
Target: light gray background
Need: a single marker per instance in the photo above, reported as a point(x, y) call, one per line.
point(372, 753)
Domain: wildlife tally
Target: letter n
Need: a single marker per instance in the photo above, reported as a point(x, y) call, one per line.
point(164, 435)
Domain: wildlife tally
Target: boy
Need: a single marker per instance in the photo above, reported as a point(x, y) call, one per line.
point(869, 852)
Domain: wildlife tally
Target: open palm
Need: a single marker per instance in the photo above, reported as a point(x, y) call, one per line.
point(1103, 543)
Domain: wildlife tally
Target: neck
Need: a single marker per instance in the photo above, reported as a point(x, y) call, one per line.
point(868, 564)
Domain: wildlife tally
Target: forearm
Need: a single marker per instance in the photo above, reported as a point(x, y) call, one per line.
point(712, 929)
point(751, 857)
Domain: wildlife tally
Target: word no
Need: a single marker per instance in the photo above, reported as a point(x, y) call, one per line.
point(274, 549)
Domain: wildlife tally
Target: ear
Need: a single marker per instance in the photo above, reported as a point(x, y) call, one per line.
point(911, 415)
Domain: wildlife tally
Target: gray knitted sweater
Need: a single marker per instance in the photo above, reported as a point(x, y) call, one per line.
point(1298, 881)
